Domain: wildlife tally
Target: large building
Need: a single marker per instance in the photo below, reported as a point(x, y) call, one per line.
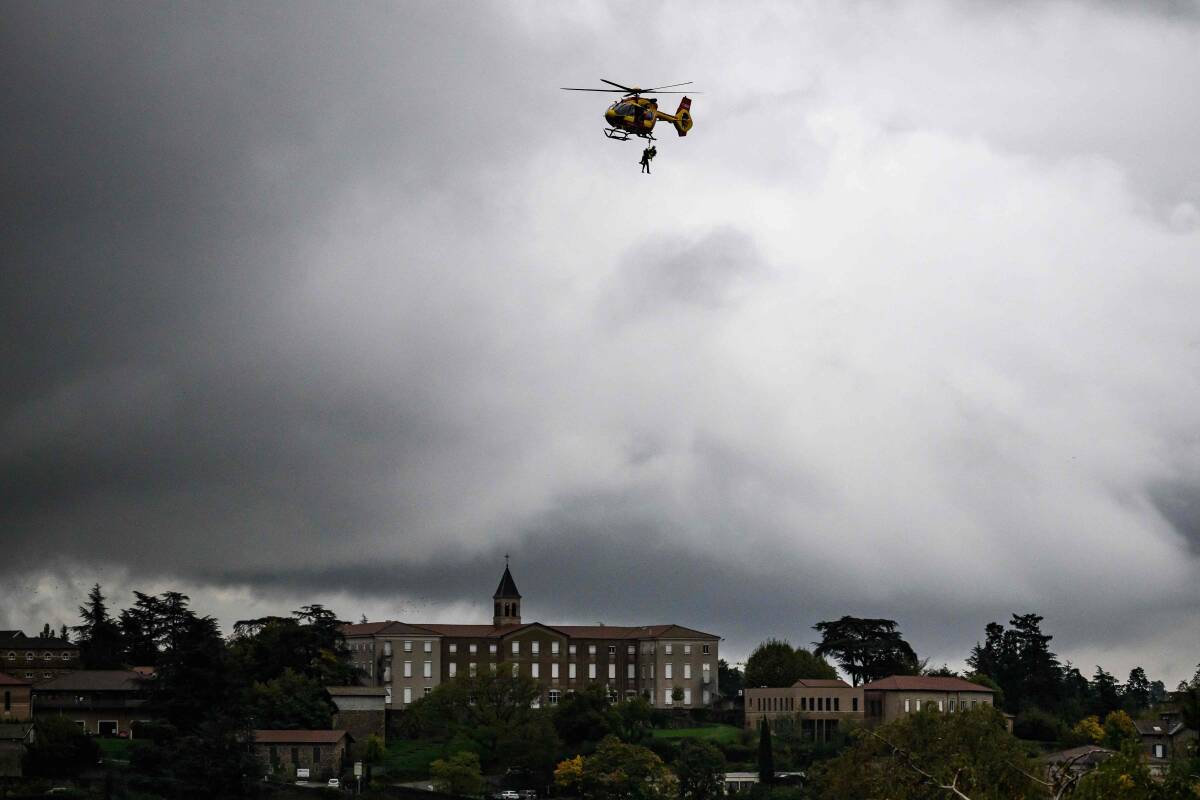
point(105, 702)
point(821, 706)
point(672, 666)
point(36, 658)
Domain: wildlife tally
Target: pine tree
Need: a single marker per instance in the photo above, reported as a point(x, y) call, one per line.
point(766, 755)
point(99, 636)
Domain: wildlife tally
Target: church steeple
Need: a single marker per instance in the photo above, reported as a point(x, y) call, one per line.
point(507, 600)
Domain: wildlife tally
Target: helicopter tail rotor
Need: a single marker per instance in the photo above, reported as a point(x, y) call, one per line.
point(683, 117)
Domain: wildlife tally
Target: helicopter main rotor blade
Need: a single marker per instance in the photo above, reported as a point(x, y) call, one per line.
point(613, 83)
point(668, 86)
point(571, 89)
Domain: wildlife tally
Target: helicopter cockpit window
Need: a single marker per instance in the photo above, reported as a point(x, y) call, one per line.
point(627, 110)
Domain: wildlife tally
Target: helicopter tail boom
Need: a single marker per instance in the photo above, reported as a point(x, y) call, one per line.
point(682, 118)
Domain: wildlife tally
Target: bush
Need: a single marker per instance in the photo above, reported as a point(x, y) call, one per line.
point(701, 715)
point(739, 753)
point(1039, 726)
point(61, 749)
point(666, 749)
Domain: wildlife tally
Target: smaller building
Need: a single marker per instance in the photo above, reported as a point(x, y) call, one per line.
point(36, 659)
point(1163, 741)
point(821, 706)
point(17, 705)
point(737, 782)
point(895, 696)
point(15, 737)
point(106, 702)
point(322, 753)
point(361, 711)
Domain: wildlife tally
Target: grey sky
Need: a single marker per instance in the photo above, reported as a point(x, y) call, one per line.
point(342, 302)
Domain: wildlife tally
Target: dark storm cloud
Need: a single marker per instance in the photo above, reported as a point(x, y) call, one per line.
point(303, 299)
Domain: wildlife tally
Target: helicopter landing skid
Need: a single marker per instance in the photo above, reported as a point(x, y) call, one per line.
point(620, 135)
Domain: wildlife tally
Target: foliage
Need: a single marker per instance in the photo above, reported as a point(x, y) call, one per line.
point(619, 771)
point(920, 755)
point(631, 720)
point(1105, 693)
point(1119, 729)
point(568, 775)
point(309, 643)
point(459, 774)
point(98, 635)
point(375, 750)
point(701, 770)
point(1188, 697)
point(766, 755)
point(775, 663)
point(866, 649)
point(1037, 725)
point(289, 702)
point(1020, 661)
point(60, 749)
point(1136, 693)
point(730, 680)
point(1088, 731)
point(1125, 776)
point(584, 716)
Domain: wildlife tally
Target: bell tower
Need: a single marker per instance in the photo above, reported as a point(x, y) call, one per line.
point(507, 600)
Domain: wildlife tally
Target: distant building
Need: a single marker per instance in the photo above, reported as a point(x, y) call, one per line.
point(893, 697)
point(361, 711)
point(1075, 761)
point(672, 666)
point(821, 706)
point(1163, 741)
point(322, 753)
point(36, 659)
point(737, 782)
point(106, 702)
point(17, 696)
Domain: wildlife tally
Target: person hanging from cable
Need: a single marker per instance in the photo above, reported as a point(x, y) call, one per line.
point(647, 154)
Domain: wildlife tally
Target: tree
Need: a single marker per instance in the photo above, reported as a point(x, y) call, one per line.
point(866, 649)
point(60, 749)
point(309, 642)
point(931, 755)
point(290, 702)
point(631, 720)
point(584, 716)
point(1020, 661)
point(1105, 693)
point(568, 775)
point(459, 774)
point(775, 663)
point(619, 771)
point(98, 635)
point(1088, 730)
point(701, 771)
point(730, 680)
point(1189, 705)
point(1137, 691)
point(64, 633)
point(766, 755)
point(1118, 729)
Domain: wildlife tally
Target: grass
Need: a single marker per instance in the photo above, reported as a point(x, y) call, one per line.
point(410, 758)
point(114, 749)
point(722, 734)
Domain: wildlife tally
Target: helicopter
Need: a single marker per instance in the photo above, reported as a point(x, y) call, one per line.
point(634, 115)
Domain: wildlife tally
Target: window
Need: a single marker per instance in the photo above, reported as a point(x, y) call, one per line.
point(974, 703)
point(516, 670)
point(12, 656)
point(837, 704)
point(630, 671)
point(571, 671)
point(705, 649)
point(492, 648)
point(48, 655)
point(428, 646)
point(408, 646)
point(554, 670)
point(47, 674)
point(666, 697)
point(472, 649)
point(804, 704)
point(535, 647)
point(407, 695)
point(940, 705)
point(706, 696)
point(612, 649)
point(1160, 751)
point(453, 647)
point(667, 649)
point(612, 671)
point(28, 674)
point(428, 673)
point(907, 706)
point(472, 669)
point(554, 648)
point(687, 649)
point(29, 655)
point(571, 649)
point(592, 671)
point(316, 755)
point(953, 705)
point(7, 700)
point(428, 690)
point(408, 669)
point(687, 672)
point(670, 670)
point(591, 649)
point(631, 650)
point(296, 756)
point(687, 697)
point(552, 696)
point(516, 648)
point(492, 667)
point(854, 704)
point(453, 669)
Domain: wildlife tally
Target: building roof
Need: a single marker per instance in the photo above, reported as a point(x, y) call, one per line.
point(1088, 754)
point(924, 683)
point(507, 590)
point(356, 691)
point(1156, 727)
point(12, 635)
point(299, 737)
point(393, 628)
point(15, 731)
point(387, 628)
point(821, 683)
point(93, 680)
point(36, 643)
point(9, 680)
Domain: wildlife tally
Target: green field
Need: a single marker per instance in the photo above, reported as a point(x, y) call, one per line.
point(724, 734)
point(114, 749)
point(410, 758)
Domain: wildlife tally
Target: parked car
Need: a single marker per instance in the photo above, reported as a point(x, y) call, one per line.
point(528, 794)
point(507, 794)
point(334, 783)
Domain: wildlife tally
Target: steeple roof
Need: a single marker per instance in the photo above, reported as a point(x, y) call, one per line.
point(507, 590)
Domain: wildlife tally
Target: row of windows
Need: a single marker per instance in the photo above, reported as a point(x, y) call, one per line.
point(553, 696)
point(66, 655)
point(535, 648)
point(806, 704)
point(913, 706)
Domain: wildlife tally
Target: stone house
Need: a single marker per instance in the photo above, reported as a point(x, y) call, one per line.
point(106, 702)
point(322, 753)
point(361, 712)
point(895, 696)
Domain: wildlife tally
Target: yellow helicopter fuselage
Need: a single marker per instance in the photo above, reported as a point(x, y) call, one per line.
point(637, 115)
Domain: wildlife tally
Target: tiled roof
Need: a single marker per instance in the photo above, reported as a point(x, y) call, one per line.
point(392, 628)
point(356, 691)
point(1156, 727)
point(1086, 754)
point(93, 680)
point(821, 683)
point(924, 683)
point(476, 631)
point(36, 643)
point(15, 731)
point(298, 737)
point(388, 628)
point(9, 680)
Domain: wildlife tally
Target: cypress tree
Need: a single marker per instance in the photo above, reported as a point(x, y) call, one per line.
point(766, 756)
